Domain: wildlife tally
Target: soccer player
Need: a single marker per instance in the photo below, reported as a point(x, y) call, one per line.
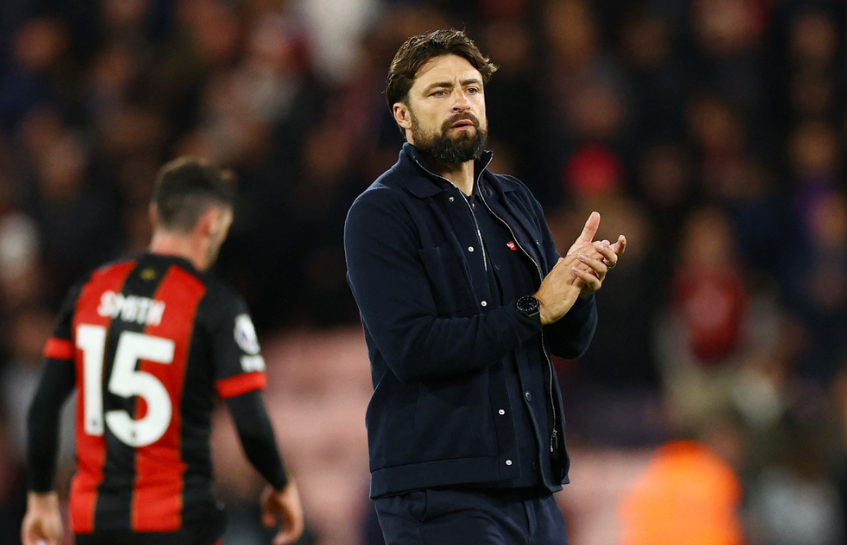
point(148, 342)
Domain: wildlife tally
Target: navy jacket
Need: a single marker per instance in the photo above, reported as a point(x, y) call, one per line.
point(440, 413)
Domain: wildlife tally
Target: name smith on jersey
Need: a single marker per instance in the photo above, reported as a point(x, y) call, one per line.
point(131, 308)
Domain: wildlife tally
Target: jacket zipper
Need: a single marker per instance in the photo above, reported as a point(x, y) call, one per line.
point(470, 208)
point(554, 434)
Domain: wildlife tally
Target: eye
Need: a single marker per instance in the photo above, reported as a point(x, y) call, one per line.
point(439, 93)
point(473, 90)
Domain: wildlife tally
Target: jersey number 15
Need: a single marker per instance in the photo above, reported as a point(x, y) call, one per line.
point(125, 381)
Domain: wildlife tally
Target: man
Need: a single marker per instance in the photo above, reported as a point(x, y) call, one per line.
point(148, 341)
point(463, 297)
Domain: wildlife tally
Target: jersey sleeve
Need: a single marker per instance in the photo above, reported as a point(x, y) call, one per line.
point(55, 386)
point(60, 346)
point(236, 356)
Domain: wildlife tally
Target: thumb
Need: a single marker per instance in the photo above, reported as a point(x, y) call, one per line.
point(590, 228)
point(268, 515)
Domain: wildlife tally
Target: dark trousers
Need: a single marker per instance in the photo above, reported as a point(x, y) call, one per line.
point(471, 517)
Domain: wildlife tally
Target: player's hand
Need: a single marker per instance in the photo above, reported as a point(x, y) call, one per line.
point(285, 504)
point(42, 523)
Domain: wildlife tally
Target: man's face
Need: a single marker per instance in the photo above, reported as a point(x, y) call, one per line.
point(445, 117)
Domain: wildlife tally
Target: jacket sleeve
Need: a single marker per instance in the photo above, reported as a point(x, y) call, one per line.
point(570, 337)
point(397, 305)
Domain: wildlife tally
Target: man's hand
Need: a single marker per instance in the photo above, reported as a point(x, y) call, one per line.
point(598, 260)
point(560, 289)
point(284, 503)
point(584, 267)
point(43, 521)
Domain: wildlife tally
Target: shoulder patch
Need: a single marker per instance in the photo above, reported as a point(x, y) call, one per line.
point(245, 334)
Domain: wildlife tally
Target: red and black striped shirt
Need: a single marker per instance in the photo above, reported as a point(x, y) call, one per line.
point(148, 343)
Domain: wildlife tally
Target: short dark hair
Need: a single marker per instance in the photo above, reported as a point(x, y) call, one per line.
point(186, 187)
point(417, 50)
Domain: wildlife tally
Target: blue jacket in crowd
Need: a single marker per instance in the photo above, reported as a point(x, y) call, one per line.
point(440, 414)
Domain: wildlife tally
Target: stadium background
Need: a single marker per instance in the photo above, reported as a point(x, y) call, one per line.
point(711, 132)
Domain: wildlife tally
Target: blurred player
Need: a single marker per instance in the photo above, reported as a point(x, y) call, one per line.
point(148, 342)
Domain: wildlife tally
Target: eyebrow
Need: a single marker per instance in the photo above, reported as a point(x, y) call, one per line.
point(449, 84)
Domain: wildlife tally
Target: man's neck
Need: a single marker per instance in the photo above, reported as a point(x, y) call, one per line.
point(180, 245)
point(461, 175)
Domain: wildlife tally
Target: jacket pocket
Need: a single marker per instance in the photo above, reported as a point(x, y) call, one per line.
point(448, 278)
point(453, 419)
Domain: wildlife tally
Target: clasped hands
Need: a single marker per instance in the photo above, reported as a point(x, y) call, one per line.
point(579, 273)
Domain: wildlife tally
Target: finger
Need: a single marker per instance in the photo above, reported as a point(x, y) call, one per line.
point(588, 278)
point(32, 535)
point(590, 228)
point(290, 532)
point(607, 255)
point(268, 518)
point(596, 265)
point(283, 537)
point(620, 246)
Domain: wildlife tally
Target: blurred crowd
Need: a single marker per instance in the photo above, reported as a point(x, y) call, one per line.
point(712, 406)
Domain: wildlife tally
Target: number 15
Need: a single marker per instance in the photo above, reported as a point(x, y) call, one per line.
point(125, 382)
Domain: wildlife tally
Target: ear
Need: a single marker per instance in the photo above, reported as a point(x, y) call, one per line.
point(210, 221)
point(402, 115)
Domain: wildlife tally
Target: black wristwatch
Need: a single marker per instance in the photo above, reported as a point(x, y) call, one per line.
point(529, 306)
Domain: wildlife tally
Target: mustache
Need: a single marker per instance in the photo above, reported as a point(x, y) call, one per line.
point(461, 117)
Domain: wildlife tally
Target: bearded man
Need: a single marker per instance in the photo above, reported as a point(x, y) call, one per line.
point(463, 298)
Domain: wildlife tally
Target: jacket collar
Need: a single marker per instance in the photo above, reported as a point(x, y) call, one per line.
point(422, 181)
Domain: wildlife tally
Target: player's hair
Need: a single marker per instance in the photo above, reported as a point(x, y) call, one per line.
point(186, 187)
point(417, 50)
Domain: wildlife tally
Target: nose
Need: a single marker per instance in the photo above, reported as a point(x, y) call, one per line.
point(460, 102)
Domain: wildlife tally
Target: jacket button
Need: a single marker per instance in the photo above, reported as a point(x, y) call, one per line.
point(502, 412)
point(484, 303)
point(528, 396)
point(451, 199)
point(470, 248)
point(508, 462)
point(535, 466)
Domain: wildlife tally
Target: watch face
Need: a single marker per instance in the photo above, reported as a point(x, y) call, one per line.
point(528, 305)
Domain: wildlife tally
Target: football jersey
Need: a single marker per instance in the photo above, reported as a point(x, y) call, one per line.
point(153, 343)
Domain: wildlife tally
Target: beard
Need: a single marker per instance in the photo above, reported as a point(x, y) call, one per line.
point(465, 146)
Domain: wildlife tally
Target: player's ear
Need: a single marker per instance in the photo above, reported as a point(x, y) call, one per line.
point(209, 222)
point(218, 220)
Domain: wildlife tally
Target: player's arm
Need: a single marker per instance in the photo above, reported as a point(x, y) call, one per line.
point(43, 521)
point(57, 383)
point(257, 437)
point(239, 379)
point(281, 498)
